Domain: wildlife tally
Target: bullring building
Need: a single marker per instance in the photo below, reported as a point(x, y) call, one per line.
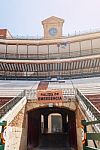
point(50, 90)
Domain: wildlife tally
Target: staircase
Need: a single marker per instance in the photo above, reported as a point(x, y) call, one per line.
point(4, 100)
point(88, 106)
point(9, 109)
point(8, 103)
point(95, 100)
point(92, 113)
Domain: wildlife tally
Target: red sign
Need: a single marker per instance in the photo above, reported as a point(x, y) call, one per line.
point(50, 95)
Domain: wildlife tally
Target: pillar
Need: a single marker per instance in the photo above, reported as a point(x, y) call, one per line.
point(45, 123)
point(64, 124)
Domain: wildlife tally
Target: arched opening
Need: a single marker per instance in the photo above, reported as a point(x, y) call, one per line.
point(54, 123)
point(51, 127)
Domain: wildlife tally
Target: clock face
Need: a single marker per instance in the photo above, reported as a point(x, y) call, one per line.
point(53, 31)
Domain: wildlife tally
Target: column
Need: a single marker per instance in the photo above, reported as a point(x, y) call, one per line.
point(64, 125)
point(45, 123)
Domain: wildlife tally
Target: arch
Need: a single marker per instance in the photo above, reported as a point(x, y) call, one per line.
point(54, 122)
point(70, 105)
point(66, 130)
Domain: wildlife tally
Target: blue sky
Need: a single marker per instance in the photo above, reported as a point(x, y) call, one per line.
point(23, 17)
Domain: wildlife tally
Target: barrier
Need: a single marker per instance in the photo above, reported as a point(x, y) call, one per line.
point(6, 107)
point(90, 136)
point(2, 134)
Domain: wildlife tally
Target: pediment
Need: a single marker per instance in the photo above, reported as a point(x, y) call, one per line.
point(52, 19)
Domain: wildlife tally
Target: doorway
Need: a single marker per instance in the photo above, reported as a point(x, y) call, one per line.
point(47, 124)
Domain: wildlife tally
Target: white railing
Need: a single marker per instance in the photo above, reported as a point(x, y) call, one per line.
point(36, 37)
point(91, 111)
point(68, 93)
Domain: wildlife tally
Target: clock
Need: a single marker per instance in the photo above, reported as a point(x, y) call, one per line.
point(52, 31)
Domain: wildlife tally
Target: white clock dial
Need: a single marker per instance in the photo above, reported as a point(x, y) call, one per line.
point(53, 31)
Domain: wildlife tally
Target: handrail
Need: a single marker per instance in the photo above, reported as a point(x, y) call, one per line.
point(80, 33)
point(6, 107)
point(43, 56)
point(90, 136)
point(89, 106)
point(92, 111)
point(3, 125)
point(76, 33)
point(67, 93)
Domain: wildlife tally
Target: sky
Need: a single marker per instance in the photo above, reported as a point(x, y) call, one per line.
point(23, 17)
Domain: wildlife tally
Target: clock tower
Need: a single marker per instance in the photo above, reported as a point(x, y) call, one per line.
point(52, 27)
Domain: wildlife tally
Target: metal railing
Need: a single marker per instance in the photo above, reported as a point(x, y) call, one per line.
point(68, 93)
point(23, 37)
point(6, 107)
point(90, 136)
point(3, 124)
point(89, 107)
point(80, 33)
point(44, 56)
point(93, 117)
point(36, 37)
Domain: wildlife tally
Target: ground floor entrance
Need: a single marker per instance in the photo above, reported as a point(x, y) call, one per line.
point(51, 128)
